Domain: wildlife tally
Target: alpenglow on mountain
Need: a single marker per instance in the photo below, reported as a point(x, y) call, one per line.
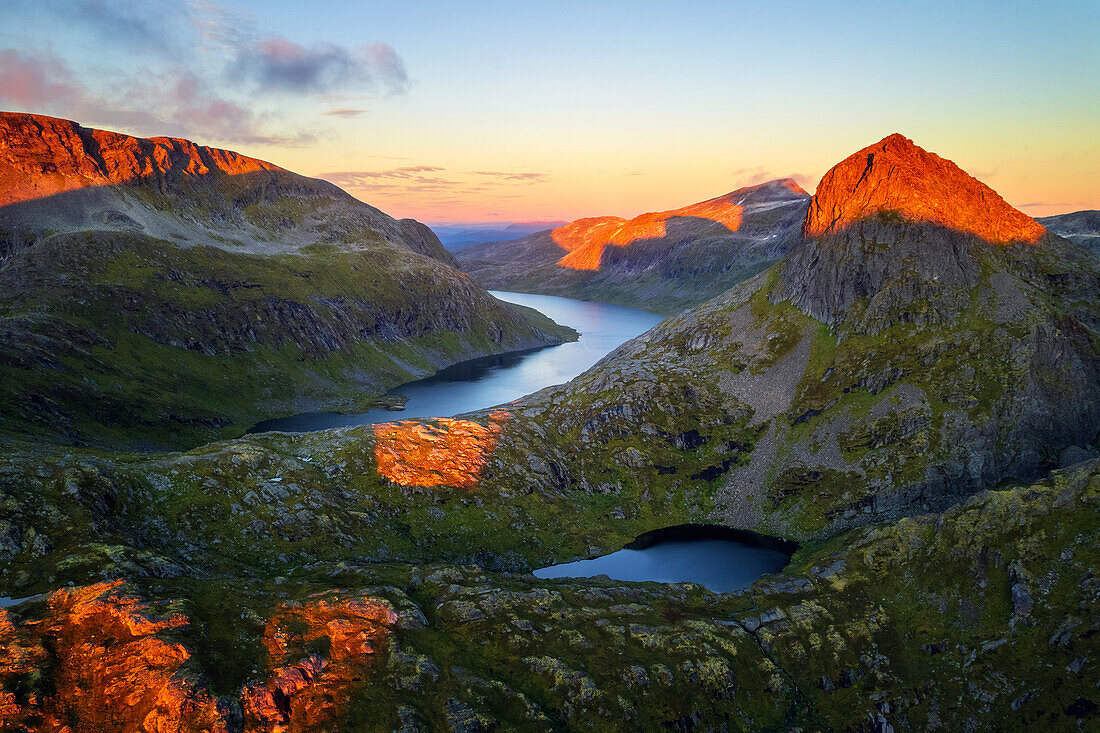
point(661, 262)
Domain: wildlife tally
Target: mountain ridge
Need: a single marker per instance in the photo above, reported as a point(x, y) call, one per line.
point(659, 261)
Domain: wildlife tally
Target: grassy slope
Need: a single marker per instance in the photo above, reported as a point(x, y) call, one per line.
point(157, 345)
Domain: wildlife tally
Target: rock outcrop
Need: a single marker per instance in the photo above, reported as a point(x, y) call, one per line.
point(661, 262)
point(445, 452)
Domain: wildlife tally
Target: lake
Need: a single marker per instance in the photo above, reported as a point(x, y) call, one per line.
point(717, 558)
point(494, 380)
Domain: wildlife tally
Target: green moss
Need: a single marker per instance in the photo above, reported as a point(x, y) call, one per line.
point(173, 347)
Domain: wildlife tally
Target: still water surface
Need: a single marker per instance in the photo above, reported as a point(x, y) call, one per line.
point(493, 380)
point(722, 565)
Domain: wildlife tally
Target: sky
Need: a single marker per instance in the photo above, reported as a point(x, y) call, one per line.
point(484, 112)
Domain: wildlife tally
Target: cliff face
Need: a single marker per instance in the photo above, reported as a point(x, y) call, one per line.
point(663, 261)
point(893, 225)
point(146, 285)
point(896, 177)
point(43, 156)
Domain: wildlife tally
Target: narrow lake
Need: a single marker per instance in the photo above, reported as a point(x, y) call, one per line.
point(493, 380)
point(721, 560)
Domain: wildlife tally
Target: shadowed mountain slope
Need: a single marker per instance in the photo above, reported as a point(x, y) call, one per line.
point(1082, 227)
point(662, 262)
point(157, 292)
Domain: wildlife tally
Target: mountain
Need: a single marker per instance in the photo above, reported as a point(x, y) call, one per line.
point(1082, 227)
point(913, 394)
point(662, 262)
point(157, 292)
point(455, 238)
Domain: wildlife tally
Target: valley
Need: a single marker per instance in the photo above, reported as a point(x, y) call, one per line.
point(897, 380)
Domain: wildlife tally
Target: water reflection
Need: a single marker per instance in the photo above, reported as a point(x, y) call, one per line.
point(494, 380)
point(721, 564)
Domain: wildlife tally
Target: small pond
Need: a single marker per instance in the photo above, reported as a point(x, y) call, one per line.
point(721, 559)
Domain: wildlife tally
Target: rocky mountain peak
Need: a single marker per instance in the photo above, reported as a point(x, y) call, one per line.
point(894, 233)
point(41, 156)
point(895, 177)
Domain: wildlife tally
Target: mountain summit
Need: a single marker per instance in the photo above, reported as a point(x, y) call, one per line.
point(896, 177)
point(892, 234)
point(42, 156)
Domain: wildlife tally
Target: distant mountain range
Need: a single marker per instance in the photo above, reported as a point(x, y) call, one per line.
point(1082, 227)
point(661, 262)
point(456, 237)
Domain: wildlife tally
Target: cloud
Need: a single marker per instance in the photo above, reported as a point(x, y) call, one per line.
point(430, 184)
point(344, 112)
point(29, 82)
point(190, 68)
point(513, 177)
point(183, 103)
point(278, 64)
point(363, 178)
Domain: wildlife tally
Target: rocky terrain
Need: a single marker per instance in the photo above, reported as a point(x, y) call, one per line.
point(160, 293)
point(1082, 227)
point(661, 262)
point(913, 395)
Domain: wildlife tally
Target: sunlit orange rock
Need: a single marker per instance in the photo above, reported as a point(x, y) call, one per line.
point(586, 239)
point(105, 668)
point(108, 668)
point(41, 156)
point(438, 452)
point(319, 651)
point(114, 672)
point(898, 177)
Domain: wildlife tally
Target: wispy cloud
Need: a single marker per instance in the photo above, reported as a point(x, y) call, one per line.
point(344, 112)
point(278, 64)
point(431, 183)
point(758, 174)
point(513, 177)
